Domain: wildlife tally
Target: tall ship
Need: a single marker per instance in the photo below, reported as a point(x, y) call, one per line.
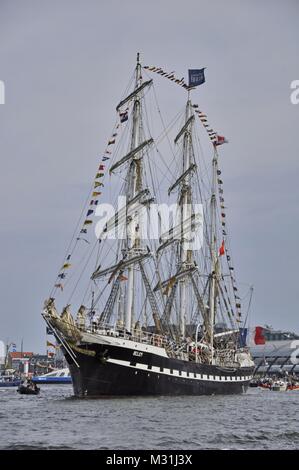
point(158, 310)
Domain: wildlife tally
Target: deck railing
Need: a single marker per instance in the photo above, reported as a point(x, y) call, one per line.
point(137, 335)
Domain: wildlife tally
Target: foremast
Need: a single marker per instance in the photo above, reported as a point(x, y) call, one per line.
point(134, 186)
point(133, 250)
point(185, 201)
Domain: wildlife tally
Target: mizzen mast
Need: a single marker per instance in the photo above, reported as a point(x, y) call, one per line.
point(214, 258)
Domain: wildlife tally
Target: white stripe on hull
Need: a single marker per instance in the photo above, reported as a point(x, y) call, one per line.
point(192, 375)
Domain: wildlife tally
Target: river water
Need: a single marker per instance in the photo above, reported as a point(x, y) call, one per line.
point(260, 419)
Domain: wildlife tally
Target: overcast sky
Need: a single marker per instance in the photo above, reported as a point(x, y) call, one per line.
point(65, 64)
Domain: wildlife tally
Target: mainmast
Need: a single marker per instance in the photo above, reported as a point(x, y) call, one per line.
point(188, 220)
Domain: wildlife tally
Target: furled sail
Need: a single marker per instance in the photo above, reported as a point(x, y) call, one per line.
point(182, 177)
point(184, 128)
point(123, 264)
point(179, 275)
point(131, 154)
point(118, 221)
point(190, 224)
point(133, 94)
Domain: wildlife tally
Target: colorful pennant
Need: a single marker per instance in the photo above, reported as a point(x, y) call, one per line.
point(224, 250)
point(59, 286)
point(66, 266)
point(168, 75)
point(214, 137)
point(123, 116)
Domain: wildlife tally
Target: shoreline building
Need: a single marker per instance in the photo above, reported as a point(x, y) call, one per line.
point(277, 351)
point(2, 355)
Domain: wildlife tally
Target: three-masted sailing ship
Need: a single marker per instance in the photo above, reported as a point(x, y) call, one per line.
point(160, 315)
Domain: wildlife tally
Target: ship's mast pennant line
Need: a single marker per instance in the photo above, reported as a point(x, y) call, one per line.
point(169, 75)
point(223, 250)
point(94, 200)
point(196, 76)
point(215, 138)
point(101, 173)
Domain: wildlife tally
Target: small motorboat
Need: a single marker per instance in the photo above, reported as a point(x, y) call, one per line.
point(279, 386)
point(254, 383)
point(293, 387)
point(265, 386)
point(29, 389)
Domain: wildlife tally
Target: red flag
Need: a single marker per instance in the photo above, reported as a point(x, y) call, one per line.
point(221, 140)
point(101, 167)
point(259, 337)
point(222, 249)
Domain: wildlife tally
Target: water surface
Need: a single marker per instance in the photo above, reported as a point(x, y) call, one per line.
point(260, 419)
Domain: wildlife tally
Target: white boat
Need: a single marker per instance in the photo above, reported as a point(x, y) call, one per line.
point(279, 386)
point(58, 376)
point(9, 381)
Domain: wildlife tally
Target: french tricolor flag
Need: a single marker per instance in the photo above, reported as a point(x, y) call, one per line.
point(252, 337)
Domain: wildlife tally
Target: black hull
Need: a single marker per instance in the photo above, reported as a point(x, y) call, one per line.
point(114, 372)
point(27, 391)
